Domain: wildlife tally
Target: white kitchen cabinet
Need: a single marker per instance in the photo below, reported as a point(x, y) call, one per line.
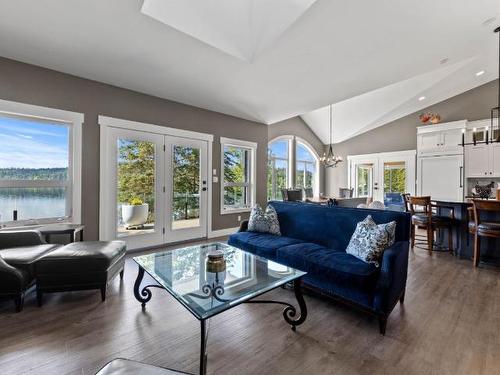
point(483, 160)
point(451, 141)
point(441, 177)
point(429, 143)
point(477, 160)
point(442, 139)
point(495, 159)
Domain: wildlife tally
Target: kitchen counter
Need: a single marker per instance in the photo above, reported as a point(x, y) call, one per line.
point(463, 241)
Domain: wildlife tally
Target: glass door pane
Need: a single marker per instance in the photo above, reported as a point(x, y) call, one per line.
point(132, 188)
point(186, 187)
point(394, 184)
point(136, 190)
point(364, 180)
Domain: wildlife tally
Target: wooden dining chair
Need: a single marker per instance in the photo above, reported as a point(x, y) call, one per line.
point(346, 192)
point(292, 195)
point(481, 227)
point(406, 201)
point(423, 216)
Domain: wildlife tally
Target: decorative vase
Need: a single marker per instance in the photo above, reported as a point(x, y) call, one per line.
point(436, 120)
point(135, 215)
point(216, 262)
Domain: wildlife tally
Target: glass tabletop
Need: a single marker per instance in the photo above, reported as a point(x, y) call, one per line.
point(207, 287)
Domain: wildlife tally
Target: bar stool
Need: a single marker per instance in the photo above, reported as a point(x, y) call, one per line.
point(422, 216)
point(483, 228)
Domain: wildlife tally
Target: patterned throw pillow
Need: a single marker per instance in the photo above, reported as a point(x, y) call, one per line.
point(264, 222)
point(369, 240)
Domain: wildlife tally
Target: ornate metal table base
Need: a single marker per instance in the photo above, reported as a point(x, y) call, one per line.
point(144, 295)
point(289, 313)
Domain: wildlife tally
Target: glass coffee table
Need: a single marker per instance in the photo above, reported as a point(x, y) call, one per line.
point(209, 286)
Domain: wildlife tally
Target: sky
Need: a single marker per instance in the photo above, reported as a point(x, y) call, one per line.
point(280, 149)
point(30, 144)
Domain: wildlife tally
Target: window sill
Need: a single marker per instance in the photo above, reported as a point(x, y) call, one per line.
point(234, 211)
point(31, 224)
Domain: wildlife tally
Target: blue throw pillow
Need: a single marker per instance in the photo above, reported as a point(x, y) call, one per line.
point(369, 240)
point(264, 222)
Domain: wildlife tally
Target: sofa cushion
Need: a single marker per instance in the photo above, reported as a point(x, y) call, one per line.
point(337, 265)
point(24, 257)
point(369, 240)
point(264, 221)
point(261, 244)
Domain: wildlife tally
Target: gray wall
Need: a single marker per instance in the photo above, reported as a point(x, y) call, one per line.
point(401, 134)
point(297, 127)
point(34, 85)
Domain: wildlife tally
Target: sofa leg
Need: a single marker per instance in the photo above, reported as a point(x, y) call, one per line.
point(19, 302)
point(103, 293)
point(39, 297)
point(121, 273)
point(382, 324)
point(402, 298)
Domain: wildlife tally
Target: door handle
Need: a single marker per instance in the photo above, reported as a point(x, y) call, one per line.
point(204, 189)
point(461, 177)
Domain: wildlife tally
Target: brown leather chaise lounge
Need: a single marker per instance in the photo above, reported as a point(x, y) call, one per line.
point(26, 260)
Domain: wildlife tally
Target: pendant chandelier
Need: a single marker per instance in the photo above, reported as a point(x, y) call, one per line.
point(493, 131)
point(330, 159)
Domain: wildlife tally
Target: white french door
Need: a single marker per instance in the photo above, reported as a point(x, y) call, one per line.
point(155, 188)
point(186, 189)
point(383, 176)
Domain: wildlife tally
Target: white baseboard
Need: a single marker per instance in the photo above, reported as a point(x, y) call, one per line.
point(222, 232)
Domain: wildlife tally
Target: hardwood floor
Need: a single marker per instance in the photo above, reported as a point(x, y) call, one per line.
point(449, 324)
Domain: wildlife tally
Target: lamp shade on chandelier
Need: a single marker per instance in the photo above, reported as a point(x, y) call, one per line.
point(329, 159)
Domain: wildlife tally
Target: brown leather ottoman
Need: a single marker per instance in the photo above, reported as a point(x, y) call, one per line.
point(79, 266)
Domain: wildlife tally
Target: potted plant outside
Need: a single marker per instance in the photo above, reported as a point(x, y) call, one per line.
point(135, 213)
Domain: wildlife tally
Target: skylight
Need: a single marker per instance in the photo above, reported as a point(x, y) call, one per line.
point(242, 28)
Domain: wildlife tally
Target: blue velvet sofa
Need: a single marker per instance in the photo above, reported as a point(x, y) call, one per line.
point(314, 239)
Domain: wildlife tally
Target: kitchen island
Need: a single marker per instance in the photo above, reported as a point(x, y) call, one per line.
point(463, 241)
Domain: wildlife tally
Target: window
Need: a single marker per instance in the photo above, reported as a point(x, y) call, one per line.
point(37, 166)
point(364, 177)
point(281, 170)
point(277, 171)
point(238, 175)
point(305, 167)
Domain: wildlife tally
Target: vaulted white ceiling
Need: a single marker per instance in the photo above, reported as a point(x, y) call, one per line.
point(242, 28)
point(371, 58)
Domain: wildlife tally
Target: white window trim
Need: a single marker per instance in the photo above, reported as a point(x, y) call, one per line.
point(252, 146)
point(74, 120)
point(106, 122)
point(292, 142)
point(315, 155)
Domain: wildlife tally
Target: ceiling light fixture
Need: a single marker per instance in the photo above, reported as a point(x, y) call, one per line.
point(330, 159)
point(421, 98)
point(492, 132)
point(480, 73)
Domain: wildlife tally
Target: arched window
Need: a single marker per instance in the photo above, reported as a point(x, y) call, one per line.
point(305, 167)
point(292, 163)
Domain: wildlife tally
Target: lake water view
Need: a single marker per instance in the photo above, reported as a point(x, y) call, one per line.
point(32, 203)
